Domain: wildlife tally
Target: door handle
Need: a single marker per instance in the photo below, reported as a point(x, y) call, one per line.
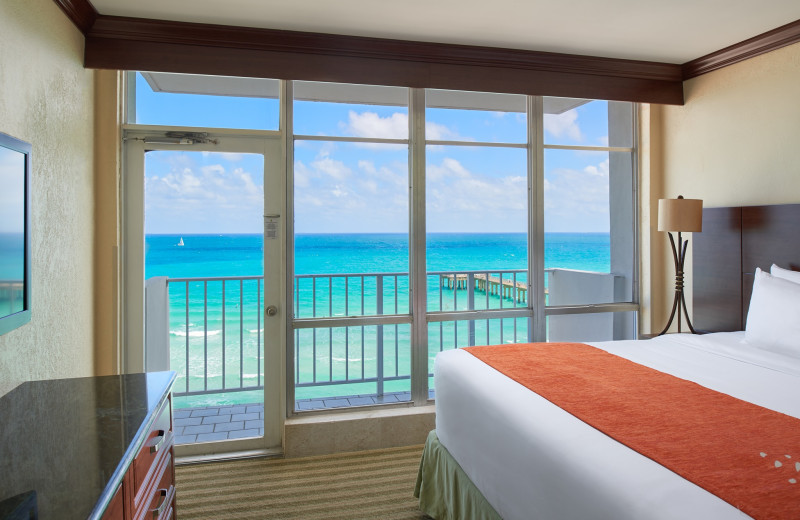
point(272, 310)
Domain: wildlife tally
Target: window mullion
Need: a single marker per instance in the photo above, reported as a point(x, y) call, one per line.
point(287, 127)
point(417, 245)
point(536, 300)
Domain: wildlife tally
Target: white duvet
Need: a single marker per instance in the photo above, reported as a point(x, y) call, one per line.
point(532, 460)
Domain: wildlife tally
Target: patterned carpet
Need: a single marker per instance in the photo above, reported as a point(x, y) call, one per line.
point(365, 485)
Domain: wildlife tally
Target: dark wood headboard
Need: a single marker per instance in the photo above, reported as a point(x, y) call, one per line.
point(735, 241)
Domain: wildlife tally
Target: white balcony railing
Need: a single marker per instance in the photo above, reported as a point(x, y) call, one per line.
point(212, 330)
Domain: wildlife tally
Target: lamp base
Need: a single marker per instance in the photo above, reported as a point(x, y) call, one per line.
point(678, 303)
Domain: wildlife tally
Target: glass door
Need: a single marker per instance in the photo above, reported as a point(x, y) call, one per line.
point(204, 255)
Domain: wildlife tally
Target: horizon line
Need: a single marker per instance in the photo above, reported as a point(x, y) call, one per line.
point(171, 234)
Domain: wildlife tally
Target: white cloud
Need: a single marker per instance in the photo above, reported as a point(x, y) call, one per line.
point(439, 132)
point(303, 200)
point(395, 126)
point(563, 125)
point(460, 200)
point(331, 167)
point(367, 166)
point(370, 124)
point(359, 196)
point(396, 177)
point(301, 175)
point(209, 199)
point(370, 186)
point(228, 156)
point(577, 200)
point(601, 170)
point(449, 168)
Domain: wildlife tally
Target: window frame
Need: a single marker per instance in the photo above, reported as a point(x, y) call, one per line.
point(419, 317)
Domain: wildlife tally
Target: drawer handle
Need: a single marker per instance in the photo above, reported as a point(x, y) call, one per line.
point(162, 504)
point(156, 442)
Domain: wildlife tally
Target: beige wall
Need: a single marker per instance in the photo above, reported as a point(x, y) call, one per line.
point(736, 141)
point(46, 98)
point(109, 87)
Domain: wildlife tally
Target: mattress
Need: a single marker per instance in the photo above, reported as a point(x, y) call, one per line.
point(532, 460)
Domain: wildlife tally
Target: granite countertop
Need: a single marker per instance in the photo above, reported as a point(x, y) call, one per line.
point(71, 440)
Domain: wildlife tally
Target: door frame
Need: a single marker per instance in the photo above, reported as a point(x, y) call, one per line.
point(137, 140)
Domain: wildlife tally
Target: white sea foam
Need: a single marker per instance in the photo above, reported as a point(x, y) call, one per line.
point(194, 333)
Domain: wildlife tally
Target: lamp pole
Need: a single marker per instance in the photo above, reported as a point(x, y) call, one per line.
point(679, 302)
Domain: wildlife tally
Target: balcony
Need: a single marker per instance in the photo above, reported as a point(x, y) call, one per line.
point(210, 331)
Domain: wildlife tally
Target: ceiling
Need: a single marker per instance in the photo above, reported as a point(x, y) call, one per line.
point(669, 31)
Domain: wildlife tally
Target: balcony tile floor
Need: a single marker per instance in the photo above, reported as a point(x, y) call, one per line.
point(220, 423)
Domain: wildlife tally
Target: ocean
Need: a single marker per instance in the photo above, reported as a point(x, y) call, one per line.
point(325, 355)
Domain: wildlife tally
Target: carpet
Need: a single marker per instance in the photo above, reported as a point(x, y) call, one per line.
point(375, 484)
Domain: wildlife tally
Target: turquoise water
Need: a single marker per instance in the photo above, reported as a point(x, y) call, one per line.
point(324, 355)
point(12, 270)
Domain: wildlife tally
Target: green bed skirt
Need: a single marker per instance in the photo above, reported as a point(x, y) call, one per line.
point(444, 490)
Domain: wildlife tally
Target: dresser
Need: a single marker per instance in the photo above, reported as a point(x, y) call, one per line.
point(94, 447)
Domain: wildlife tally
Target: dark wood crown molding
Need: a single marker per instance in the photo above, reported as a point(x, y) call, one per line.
point(768, 41)
point(167, 32)
point(81, 12)
point(144, 44)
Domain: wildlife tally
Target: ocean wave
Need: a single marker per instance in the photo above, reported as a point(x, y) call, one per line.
point(194, 333)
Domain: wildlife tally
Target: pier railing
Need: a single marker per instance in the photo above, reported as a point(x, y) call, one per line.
point(510, 287)
point(216, 326)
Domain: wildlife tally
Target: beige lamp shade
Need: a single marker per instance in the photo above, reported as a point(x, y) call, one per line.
point(685, 215)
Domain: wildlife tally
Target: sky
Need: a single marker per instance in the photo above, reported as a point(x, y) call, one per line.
point(12, 191)
point(363, 187)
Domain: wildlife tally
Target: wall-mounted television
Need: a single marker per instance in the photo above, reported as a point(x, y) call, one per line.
point(15, 233)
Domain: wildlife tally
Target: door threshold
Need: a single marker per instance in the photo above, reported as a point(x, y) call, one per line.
point(232, 455)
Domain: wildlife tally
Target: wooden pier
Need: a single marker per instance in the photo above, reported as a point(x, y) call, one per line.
point(504, 287)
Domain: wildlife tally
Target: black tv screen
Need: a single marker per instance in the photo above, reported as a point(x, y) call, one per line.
point(15, 252)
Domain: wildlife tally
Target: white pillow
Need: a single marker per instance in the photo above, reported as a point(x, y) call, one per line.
point(773, 321)
point(786, 274)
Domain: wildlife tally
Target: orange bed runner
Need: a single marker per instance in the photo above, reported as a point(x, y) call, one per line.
point(745, 454)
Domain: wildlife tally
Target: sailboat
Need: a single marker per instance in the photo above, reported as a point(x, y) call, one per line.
point(180, 243)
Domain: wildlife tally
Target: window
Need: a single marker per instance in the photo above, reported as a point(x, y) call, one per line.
point(196, 101)
point(422, 220)
point(477, 211)
point(351, 245)
point(589, 215)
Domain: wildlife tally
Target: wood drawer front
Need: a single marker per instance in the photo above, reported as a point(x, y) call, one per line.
point(157, 443)
point(116, 509)
point(161, 498)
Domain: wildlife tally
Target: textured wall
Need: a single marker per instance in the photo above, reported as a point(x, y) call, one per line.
point(46, 98)
point(735, 142)
point(108, 87)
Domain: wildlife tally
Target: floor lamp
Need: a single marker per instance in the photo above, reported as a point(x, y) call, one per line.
point(684, 216)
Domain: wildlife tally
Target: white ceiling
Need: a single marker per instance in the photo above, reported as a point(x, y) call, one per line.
point(672, 31)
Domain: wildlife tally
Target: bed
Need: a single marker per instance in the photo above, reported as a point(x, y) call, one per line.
point(502, 451)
